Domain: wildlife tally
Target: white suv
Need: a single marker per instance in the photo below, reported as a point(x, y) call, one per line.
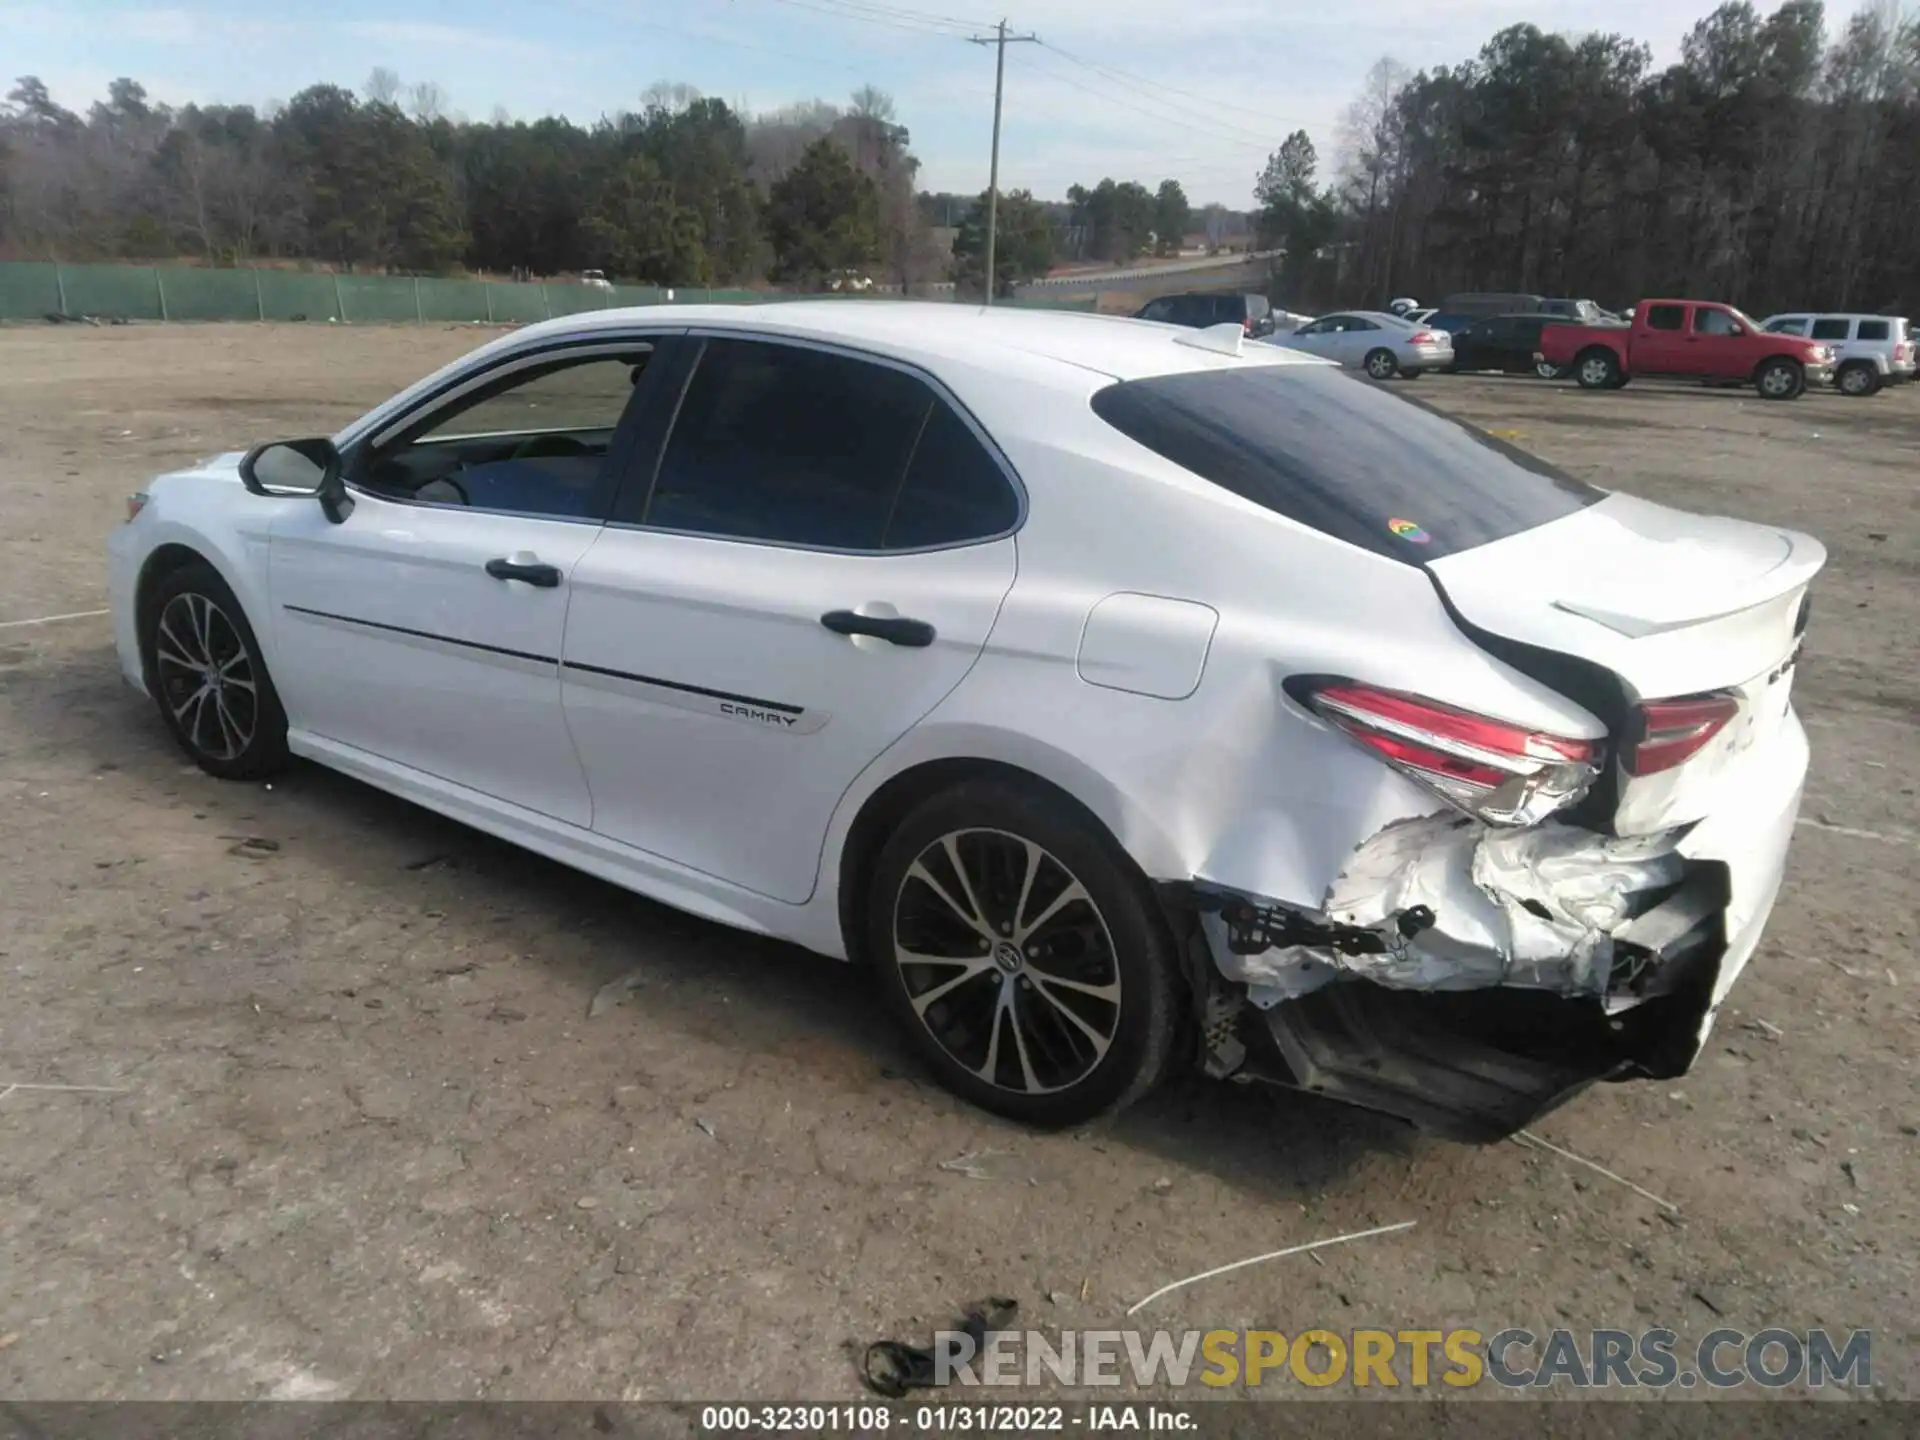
point(1869, 350)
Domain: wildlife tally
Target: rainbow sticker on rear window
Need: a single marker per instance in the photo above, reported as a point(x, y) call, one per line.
point(1408, 531)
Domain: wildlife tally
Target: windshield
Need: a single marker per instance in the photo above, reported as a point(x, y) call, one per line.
point(1344, 457)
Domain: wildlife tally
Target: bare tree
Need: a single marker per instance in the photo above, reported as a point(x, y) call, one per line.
point(426, 102)
point(383, 86)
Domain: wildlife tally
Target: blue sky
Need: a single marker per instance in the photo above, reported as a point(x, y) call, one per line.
point(1227, 78)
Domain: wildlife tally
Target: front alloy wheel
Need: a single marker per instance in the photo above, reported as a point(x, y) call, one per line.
point(1546, 370)
point(1024, 954)
point(207, 677)
point(1780, 380)
point(205, 672)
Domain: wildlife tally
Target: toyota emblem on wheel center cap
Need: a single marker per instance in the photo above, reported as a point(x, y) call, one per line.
point(1007, 956)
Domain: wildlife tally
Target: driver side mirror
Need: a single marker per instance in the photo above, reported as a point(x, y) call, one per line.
point(284, 469)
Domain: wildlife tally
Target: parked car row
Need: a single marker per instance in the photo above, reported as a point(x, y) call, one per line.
point(1573, 338)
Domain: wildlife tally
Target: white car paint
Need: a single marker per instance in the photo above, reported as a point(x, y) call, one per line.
point(673, 717)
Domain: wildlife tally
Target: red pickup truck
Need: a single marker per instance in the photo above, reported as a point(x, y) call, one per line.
point(1690, 338)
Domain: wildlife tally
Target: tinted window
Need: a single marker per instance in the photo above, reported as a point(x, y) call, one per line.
point(1344, 457)
point(1792, 325)
point(953, 492)
point(779, 442)
point(1156, 311)
point(1832, 328)
point(1354, 322)
point(1714, 322)
point(1667, 317)
point(1875, 330)
point(1450, 323)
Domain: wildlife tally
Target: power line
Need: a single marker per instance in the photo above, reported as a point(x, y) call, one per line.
point(911, 21)
point(1213, 103)
point(1245, 139)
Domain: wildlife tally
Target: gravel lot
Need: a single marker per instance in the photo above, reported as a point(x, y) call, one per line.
point(364, 1141)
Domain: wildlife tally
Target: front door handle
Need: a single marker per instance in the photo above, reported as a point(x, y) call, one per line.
point(533, 572)
point(895, 630)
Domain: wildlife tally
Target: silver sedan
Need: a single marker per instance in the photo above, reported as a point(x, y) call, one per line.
point(1382, 345)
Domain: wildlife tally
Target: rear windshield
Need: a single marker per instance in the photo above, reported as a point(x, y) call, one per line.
point(1336, 453)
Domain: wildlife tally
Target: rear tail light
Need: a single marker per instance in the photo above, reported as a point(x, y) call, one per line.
point(1425, 337)
point(1498, 772)
point(1672, 732)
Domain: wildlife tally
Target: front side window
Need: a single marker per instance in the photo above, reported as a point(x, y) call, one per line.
point(1714, 322)
point(796, 446)
point(1667, 317)
point(534, 441)
point(1790, 325)
point(1832, 327)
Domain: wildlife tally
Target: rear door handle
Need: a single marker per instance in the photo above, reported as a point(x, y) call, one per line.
point(547, 577)
point(895, 630)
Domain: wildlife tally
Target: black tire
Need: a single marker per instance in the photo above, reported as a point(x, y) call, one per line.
point(1598, 369)
point(1381, 364)
point(1780, 379)
point(207, 677)
point(1859, 378)
point(1045, 1068)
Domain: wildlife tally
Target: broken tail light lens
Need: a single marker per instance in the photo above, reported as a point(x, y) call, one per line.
point(1672, 732)
point(1496, 771)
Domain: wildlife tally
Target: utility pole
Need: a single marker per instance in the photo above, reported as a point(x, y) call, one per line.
point(999, 40)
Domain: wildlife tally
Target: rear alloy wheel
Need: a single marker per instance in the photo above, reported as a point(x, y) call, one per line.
point(1780, 380)
point(1023, 955)
point(1597, 370)
point(213, 691)
point(1381, 365)
point(1859, 377)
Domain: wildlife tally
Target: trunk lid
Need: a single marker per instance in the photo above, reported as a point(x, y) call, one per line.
point(1668, 603)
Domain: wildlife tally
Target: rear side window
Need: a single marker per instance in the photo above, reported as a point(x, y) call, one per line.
point(954, 490)
point(1667, 317)
point(1832, 328)
point(788, 444)
point(1373, 468)
point(1875, 330)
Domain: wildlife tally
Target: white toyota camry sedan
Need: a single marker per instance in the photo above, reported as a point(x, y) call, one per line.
point(1124, 697)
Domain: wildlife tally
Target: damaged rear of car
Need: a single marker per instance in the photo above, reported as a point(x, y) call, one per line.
point(1587, 799)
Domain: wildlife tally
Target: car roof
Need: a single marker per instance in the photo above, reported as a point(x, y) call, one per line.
point(1066, 352)
point(1112, 345)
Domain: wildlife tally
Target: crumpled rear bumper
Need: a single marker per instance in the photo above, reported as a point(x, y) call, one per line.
point(1470, 979)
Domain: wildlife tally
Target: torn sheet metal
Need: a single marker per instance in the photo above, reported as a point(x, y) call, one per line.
point(1535, 908)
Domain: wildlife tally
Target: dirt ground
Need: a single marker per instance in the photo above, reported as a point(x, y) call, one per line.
point(362, 1138)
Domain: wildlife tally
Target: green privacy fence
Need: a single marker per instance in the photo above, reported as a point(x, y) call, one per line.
point(30, 290)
